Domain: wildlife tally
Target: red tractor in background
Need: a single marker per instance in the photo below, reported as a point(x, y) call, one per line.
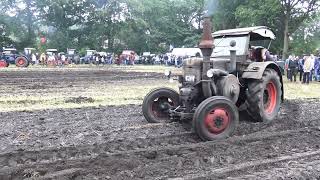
point(11, 56)
point(235, 71)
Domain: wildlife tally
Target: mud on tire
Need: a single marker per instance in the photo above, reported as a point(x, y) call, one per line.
point(216, 118)
point(157, 103)
point(264, 97)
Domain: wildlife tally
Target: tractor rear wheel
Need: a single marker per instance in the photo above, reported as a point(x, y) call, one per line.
point(264, 97)
point(216, 118)
point(21, 62)
point(157, 103)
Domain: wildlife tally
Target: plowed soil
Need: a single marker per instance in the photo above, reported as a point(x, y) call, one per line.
point(115, 142)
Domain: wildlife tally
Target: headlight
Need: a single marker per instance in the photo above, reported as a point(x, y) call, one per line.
point(210, 73)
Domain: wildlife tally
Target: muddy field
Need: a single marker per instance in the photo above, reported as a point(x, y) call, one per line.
point(115, 142)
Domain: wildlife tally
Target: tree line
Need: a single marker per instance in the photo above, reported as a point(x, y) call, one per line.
point(152, 25)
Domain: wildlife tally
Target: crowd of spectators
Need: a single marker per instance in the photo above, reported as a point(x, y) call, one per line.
point(58, 59)
point(306, 67)
point(162, 59)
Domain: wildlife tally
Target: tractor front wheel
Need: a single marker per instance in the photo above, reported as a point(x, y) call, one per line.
point(157, 103)
point(216, 118)
point(264, 97)
point(21, 62)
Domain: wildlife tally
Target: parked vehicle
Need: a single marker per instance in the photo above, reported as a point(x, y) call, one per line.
point(88, 58)
point(28, 52)
point(11, 56)
point(73, 56)
point(230, 75)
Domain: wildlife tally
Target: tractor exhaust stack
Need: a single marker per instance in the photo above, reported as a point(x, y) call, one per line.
point(206, 43)
point(206, 46)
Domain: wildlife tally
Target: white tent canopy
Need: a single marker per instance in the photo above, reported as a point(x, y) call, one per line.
point(186, 52)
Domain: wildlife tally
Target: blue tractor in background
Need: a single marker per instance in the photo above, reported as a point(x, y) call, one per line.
point(11, 56)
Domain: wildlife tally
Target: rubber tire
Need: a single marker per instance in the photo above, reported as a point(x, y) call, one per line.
point(25, 64)
point(4, 63)
point(206, 107)
point(255, 95)
point(154, 94)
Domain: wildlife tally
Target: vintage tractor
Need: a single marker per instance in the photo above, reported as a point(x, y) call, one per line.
point(89, 57)
point(73, 56)
point(11, 56)
point(234, 72)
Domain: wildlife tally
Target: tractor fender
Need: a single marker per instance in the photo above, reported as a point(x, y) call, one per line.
point(255, 71)
point(27, 58)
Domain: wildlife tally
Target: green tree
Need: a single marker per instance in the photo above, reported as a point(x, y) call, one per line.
point(18, 20)
point(295, 12)
point(306, 39)
point(283, 16)
point(167, 22)
point(225, 15)
point(262, 13)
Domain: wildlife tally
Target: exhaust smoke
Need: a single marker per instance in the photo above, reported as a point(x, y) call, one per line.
point(210, 7)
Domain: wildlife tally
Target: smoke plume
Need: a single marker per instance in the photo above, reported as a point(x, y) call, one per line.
point(210, 7)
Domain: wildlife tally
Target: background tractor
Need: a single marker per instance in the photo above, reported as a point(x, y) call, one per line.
point(73, 56)
point(11, 56)
point(89, 57)
point(235, 71)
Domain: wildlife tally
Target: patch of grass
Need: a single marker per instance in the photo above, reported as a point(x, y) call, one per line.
point(115, 94)
point(86, 67)
point(297, 90)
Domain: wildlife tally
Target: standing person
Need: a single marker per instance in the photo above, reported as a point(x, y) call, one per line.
point(293, 68)
point(300, 68)
point(57, 59)
point(166, 59)
point(307, 67)
point(131, 58)
point(103, 60)
point(43, 59)
point(37, 58)
point(63, 60)
point(286, 66)
point(111, 59)
point(317, 68)
point(117, 60)
point(312, 65)
point(33, 59)
point(97, 59)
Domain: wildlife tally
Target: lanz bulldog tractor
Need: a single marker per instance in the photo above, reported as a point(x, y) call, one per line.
point(233, 73)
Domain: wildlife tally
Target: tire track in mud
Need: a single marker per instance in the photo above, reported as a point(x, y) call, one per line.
point(214, 155)
point(306, 168)
point(166, 152)
point(240, 171)
point(148, 135)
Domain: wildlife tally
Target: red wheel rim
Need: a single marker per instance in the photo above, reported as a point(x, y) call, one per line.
point(160, 107)
point(3, 63)
point(270, 97)
point(20, 61)
point(217, 120)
